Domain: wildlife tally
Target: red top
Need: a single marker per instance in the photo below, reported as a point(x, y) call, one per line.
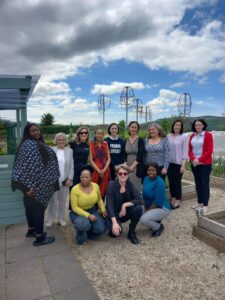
point(207, 151)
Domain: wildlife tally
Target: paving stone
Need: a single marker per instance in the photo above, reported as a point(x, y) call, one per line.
point(80, 293)
point(64, 272)
point(26, 280)
point(46, 298)
point(60, 245)
point(21, 253)
point(56, 231)
point(2, 283)
point(19, 241)
point(2, 232)
point(16, 230)
point(2, 258)
point(2, 244)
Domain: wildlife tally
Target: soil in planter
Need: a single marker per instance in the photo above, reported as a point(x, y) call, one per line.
point(220, 220)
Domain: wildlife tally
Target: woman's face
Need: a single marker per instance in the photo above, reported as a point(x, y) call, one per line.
point(35, 132)
point(199, 126)
point(133, 129)
point(177, 127)
point(122, 175)
point(85, 177)
point(153, 131)
point(151, 172)
point(113, 130)
point(83, 135)
point(99, 135)
point(61, 142)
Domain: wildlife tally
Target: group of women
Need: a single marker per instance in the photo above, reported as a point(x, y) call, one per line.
point(110, 180)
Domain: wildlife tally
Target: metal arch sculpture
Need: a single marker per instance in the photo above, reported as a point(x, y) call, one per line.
point(127, 99)
point(103, 104)
point(184, 105)
point(146, 113)
point(137, 106)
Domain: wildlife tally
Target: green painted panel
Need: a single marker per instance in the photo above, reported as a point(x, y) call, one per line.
point(11, 197)
point(11, 205)
point(15, 83)
point(7, 190)
point(11, 213)
point(14, 220)
point(5, 182)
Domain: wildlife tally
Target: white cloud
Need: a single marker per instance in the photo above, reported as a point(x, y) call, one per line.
point(115, 87)
point(177, 84)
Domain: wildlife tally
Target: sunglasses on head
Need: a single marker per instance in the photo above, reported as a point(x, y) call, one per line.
point(122, 173)
point(83, 132)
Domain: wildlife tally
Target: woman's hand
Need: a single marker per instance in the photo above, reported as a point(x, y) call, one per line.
point(182, 169)
point(116, 229)
point(101, 173)
point(104, 214)
point(123, 211)
point(69, 182)
point(164, 171)
point(31, 193)
point(92, 218)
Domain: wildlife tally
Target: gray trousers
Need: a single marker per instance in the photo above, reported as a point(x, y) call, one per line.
point(57, 204)
point(152, 217)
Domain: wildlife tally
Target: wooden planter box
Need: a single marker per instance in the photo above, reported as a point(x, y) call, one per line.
point(211, 230)
point(217, 182)
point(188, 191)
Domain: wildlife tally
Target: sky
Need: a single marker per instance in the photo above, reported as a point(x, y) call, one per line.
point(82, 49)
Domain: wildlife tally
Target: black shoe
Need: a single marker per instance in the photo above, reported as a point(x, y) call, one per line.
point(31, 233)
point(47, 240)
point(158, 231)
point(132, 237)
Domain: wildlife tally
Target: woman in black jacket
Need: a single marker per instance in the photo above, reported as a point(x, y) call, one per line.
point(123, 203)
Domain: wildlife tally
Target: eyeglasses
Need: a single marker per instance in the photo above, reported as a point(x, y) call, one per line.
point(83, 132)
point(122, 173)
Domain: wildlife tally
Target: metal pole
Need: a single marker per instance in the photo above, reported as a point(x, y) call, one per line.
point(126, 105)
point(103, 109)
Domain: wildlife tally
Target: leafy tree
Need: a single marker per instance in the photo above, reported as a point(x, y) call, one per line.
point(165, 125)
point(47, 119)
point(122, 127)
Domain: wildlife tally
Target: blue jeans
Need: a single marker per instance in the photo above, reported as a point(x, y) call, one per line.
point(201, 174)
point(85, 228)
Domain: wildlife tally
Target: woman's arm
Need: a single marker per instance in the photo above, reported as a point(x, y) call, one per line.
point(108, 161)
point(208, 146)
point(74, 204)
point(166, 155)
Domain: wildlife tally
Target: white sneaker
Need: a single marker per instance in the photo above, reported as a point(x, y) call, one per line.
point(205, 210)
point(197, 205)
point(62, 223)
point(49, 224)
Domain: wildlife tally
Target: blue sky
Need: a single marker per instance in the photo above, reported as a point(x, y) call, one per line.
point(161, 48)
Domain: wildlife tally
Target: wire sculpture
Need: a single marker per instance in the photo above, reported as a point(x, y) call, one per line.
point(127, 99)
point(184, 105)
point(146, 113)
point(138, 104)
point(103, 104)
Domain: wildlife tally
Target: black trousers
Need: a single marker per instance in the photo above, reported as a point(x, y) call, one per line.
point(174, 177)
point(35, 213)
point(201, 174)
point(133, 213)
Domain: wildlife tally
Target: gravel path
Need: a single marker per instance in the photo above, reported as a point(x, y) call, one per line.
point(173, 266)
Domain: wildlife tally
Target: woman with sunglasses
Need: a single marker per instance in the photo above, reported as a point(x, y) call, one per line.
point(80, 147)
point(123, 203)
point(116, 148)
point(156, 205)
point(100, 161)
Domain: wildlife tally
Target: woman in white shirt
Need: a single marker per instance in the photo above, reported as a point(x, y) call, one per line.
point(177, 159)
point(57, 204)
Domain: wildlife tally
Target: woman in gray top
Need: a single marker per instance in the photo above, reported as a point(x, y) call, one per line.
point(157, 148)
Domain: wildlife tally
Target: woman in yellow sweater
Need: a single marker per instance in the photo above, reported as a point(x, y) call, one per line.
point(86, 202)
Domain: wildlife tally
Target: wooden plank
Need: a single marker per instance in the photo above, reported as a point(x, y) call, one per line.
point(209, 238)
point(12, 213)
point(212, 226)
point(11, 197)
point(216, 215)
point(11, 205)
point(13, 220)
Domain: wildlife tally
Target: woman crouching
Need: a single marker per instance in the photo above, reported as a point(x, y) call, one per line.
point(86, 201)
point(157, 206)
point(123, 203)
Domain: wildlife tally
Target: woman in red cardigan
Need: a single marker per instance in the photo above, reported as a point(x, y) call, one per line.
point(200, 153)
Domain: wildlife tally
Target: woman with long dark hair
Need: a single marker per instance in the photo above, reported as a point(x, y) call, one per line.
point(116, 148)
point(200, 153)
point(36, 173)
point(177, 159)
